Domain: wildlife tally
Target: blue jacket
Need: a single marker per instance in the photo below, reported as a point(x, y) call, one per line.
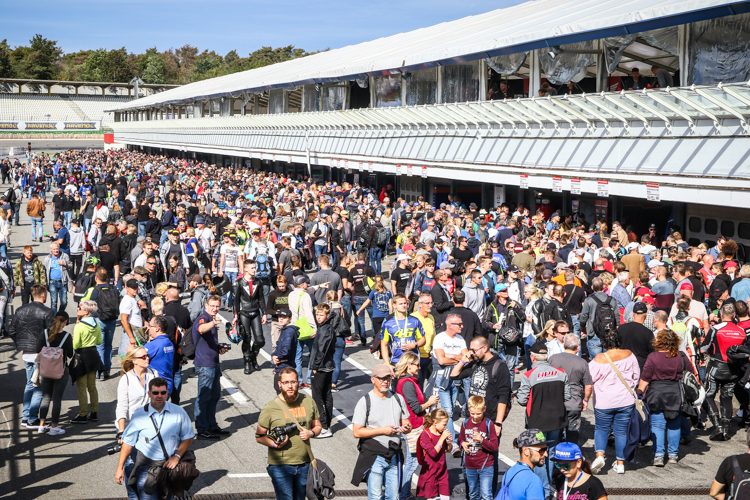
point(286, 347)
point(741, 290)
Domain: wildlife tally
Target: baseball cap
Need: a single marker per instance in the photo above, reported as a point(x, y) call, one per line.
point(580, 251)
point(446, 265)
point(652, 226)
point(729, 264)
point(547, 274)
point(561, 265)
point(232, 235)
point(718, 287)
point(402, 256)
point(644, 291)
point(284, 313)
point(500, 287)
point(513, 268)
point(531, 437)
point(640, 308)
point(195, 278)
point(301, 279)
point(381, 371)
point(538, 348)
point(567, 452)
point(632, 246)
point(686, 286)
point(174, 231)
point(92, 261)
point(655, 263)
point(648, 299)
point(131, 284)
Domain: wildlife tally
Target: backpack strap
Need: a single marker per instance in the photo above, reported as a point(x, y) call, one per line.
point(738, 474)
point(368, 404)
point(46, 337)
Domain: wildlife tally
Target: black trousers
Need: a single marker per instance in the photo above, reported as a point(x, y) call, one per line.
point(323, 397)
point(26, 294)
point(253, 340)
point(77, 261)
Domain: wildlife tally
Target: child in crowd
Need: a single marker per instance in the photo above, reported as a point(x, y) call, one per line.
point(431, 450)
point(479, 442)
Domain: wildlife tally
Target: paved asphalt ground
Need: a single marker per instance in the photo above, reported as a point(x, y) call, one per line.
point(76, 465)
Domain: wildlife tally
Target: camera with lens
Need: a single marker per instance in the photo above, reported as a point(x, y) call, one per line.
point(280, 431)
point(227, 347)
point(114, 449)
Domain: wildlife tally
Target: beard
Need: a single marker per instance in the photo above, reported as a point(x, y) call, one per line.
point(290, 398)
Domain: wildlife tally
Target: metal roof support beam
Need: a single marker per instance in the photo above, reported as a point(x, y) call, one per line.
point(690, 102)
point(650, 62)
point(583, 103)
point(661, 99)
point(643, 102)
point(723, 105)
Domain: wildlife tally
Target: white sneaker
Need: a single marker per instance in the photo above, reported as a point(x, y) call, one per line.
point(56, 431)
point(598, 464)
point(325, 433)
point(619, 468)
point(42, 429)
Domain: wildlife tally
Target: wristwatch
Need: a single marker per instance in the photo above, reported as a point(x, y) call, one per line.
point(499, 423)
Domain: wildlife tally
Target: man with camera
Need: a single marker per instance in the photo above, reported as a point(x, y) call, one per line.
point(207, 367)
point(286, 425)
point(158, 429)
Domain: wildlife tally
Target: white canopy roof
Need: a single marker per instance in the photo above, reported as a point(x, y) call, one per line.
point(530, 25)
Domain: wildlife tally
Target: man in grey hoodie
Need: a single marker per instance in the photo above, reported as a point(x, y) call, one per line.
point(77, 247)
point(475, 294)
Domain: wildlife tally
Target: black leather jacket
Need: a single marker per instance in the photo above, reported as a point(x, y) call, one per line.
point(28, 323)
point(556, 310)
point(246, 302)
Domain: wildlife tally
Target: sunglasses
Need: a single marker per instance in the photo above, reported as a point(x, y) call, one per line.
point(144, 357)
point(562, 466)
point(159, 393)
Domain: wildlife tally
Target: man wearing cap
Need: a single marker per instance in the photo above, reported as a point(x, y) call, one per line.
point(504, 312)
point(401, 275)
point(579, 379)
point(379, 418)
point(634, 261)
point(173, 246)
point(521, 479)
point(285, 351)
point(546, 410)
point(636, 337)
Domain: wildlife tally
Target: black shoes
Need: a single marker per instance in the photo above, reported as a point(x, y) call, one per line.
point(219, 432)
point(248, 367)
point(254, 363)
point(207, 435)
point(93, 417)
point(80, 419)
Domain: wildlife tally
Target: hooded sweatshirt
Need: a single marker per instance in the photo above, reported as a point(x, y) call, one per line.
point(87, 333)
point(77, 241)
point(475, 299)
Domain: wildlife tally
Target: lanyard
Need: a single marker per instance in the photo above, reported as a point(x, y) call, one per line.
point(158, 428)
point(145, 385)
point(565, 487)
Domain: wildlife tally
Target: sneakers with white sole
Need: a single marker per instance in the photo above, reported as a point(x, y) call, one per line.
point(42, 429)
point(56, 431)
point(619, 468)
point(325, 433)
point(598, 464)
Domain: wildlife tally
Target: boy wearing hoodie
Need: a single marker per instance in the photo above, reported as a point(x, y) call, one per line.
point(285, 353)
point(77, 246)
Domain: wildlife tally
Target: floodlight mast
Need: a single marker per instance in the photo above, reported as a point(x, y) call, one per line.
point(135, 82)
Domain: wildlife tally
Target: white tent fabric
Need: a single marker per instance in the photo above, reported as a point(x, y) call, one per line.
point(526, 26)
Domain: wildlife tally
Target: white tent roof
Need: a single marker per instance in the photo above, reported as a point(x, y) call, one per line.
point(530, 25)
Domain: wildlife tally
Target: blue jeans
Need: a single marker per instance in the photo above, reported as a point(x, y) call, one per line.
point(511, 358)
point(209, 392)
point(338, 355)
point(105, 348)
point(37, 225)
point(298, 359)
point(527, 343)
point(289, 481)
point(67, 216)
point(448, 402)
point(594, 345)
point(376, 256)
point(319, 250)
point(174, 398)
point(658, 425)
point(346, 305)
point(545, 471)
point(382, 474)
point(32, 396)
point(163, 237)
point(87, 225)
point(410, 465)
point(128, 469)
point(229, 297)
point(359, 326)
point(142, 228)
point(17, 211)
point(617, 420)
point(141, 475)
point(3, 249)
point(480, 483)
point(57, 289)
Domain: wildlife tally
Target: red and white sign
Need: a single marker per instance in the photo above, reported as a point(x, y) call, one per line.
point(575, 186)
point(369, 167)
point(398, 169)
point(424, 171)
point(524, 181)
point(408, 170)
point(652, 191)
point(557, 184)
point(602, 188)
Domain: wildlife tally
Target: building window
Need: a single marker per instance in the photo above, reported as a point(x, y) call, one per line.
point(710, 226)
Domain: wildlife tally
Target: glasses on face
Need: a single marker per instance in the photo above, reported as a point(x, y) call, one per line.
point(159, 393)
point(541, 451)
point(416, 363)
point(150, 263)
point(290, 383)
point(563, 466)
point(457, 324)
point(145, 357)
point(476, 350)
point(387, 378)
point(563, 332)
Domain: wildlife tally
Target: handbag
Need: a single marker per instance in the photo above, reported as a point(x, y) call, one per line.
point(179, 479)
point(412, 437)
point(639, 427)
point(305, 330)
point(320, 477)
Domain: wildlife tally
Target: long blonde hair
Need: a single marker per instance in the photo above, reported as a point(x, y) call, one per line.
point(402, 366)
point(544, 334)
point(379, 284)
point(128, 364)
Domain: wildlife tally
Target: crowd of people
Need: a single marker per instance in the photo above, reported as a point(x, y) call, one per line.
point(481, 310)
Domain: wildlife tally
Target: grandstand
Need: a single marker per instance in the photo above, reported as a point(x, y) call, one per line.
point(30, 107)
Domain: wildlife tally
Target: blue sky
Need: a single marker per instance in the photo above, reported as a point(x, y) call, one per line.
point(226, 24)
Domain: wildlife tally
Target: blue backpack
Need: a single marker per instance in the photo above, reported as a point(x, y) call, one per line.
point(262, 267)
point(504, 493)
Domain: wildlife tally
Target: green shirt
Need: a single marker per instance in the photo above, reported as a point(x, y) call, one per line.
point(294, 452)
point(87, 333)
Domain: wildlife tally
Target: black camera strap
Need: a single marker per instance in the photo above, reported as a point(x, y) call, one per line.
point(158, 434)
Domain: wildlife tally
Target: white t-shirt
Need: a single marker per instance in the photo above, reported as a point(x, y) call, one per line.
point(204, 237)
point(129, 306)
point(455, 345)
point(231, 258)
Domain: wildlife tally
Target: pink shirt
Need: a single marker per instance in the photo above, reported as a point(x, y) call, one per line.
point(609, 392)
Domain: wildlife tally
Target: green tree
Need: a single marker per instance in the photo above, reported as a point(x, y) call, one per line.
point(42, 58)
point(6, 63)
point(155, 69)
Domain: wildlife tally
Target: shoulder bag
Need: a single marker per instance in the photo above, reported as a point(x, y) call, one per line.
point(639, 427)
point(305, 329)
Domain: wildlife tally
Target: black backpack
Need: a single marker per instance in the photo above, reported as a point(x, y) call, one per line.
point(605, 319)
point(381, 235)
point(82, 284)
point(186, 344)
point(10, 195)
point(741, 483)
point(107, 302)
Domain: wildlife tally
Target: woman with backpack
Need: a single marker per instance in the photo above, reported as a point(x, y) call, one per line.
point(660, 381)
point(382, 301)
point(53, 388)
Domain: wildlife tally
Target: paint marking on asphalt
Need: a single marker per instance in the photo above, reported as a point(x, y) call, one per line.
point(358, 365)
point(232, 391)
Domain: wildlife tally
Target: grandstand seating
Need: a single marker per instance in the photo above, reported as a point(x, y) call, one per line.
point(39, 107)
